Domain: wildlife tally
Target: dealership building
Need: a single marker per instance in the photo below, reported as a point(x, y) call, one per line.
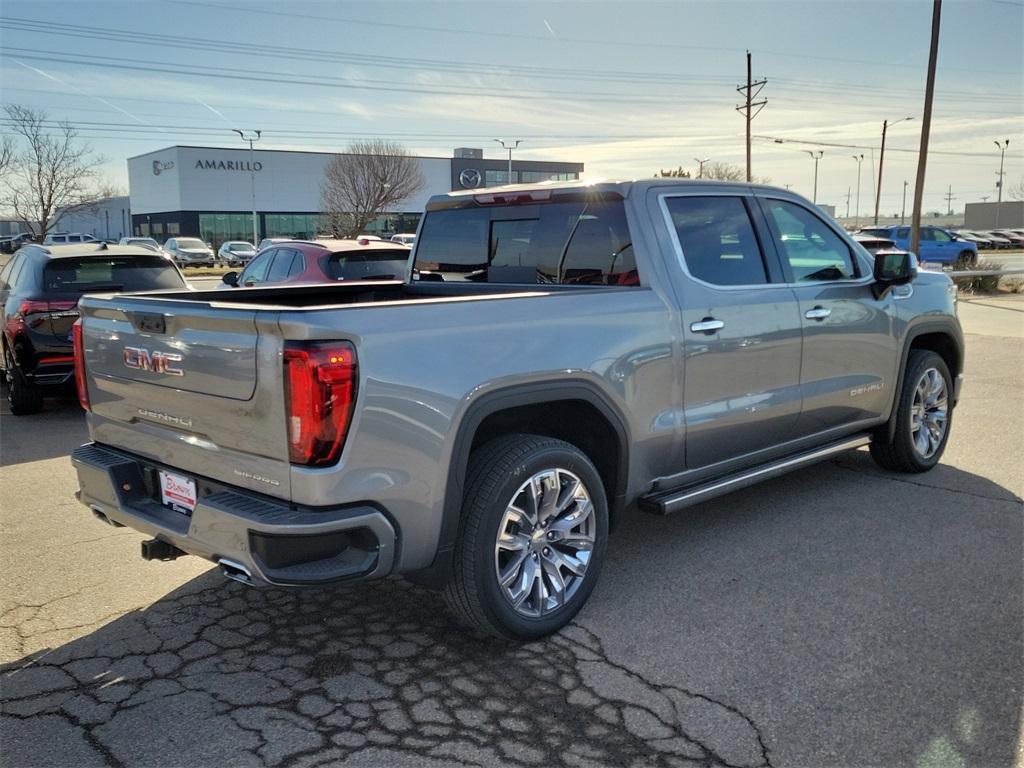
point(208, 191)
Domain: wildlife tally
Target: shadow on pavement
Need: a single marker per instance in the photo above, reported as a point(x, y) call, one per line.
point(55, 432)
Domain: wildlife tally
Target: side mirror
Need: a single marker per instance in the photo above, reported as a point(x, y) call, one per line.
point(231, 278)
point(892, 268)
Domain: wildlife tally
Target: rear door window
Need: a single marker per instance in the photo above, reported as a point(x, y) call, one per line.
point(579, 242)
point(717, 240)
point(110, 273)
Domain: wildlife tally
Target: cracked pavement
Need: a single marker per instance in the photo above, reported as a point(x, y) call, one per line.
point(840, 616)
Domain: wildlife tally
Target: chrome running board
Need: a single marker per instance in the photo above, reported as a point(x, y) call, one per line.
point(671, 501)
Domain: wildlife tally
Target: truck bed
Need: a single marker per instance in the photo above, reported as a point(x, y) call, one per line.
point(362, 292)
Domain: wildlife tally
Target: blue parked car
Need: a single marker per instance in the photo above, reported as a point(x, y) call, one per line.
point(937, 245)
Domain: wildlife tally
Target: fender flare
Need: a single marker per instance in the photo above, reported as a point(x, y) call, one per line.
point(948, 327)
point(474, 415)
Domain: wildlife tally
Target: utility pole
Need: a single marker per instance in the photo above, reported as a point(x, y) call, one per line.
point(881, 159)
point(903, 213)
point(700, 171)
point(949, 201)
point(860, 159)
point(999, 185)
point(847, 203)
point(752, 90)
point(926, 127)
point(815, 156)
point(510, 146)
point(252, 180)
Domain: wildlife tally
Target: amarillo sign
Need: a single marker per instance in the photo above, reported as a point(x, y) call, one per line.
point(228, 165)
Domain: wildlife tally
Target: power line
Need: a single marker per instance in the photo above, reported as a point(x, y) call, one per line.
point(264, 76)
point(560, 39)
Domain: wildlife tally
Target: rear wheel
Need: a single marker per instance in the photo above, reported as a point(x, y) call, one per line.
point(23, 397)
point(532, 537)
point(968, 258)
point(922, 417)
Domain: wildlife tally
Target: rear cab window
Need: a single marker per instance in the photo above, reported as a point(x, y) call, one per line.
point(114, 273)
point(584, 241)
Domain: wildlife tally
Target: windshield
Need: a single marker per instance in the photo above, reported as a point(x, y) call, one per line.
point(240, 247)
point(191, 242)
point(584, 242)
point(110, 273)
point(143, 241)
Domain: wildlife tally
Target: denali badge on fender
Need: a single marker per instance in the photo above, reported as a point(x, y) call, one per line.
point(158, 362)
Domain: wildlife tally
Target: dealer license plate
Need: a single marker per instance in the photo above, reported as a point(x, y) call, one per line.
point(178, 492)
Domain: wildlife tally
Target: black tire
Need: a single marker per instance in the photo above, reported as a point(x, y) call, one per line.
point(23, 397)
point(968, 258)
point(899, 453)
point(495, 474)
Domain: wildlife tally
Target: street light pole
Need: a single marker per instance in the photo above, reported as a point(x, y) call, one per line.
point(999, 200)
point(252, 139)
point(881, 159)
point(816, 157)
point(700, 171)
point(510, 146)
point(860, 159)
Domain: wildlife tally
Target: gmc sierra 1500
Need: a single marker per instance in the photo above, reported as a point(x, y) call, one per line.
point(556, 353)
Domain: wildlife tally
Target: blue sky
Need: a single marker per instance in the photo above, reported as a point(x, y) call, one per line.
point(625, 87)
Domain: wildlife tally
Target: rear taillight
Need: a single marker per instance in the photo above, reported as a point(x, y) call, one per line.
point(42, 310)
point(320, 391)
point(79, 346)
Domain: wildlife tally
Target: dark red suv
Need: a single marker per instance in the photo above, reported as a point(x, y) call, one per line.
point(318, 261)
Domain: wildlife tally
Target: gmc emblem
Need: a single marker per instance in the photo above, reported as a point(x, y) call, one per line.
point(159, 362)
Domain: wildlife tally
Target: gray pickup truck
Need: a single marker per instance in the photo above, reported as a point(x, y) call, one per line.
point(555, 354)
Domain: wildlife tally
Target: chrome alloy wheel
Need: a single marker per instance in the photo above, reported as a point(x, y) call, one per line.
point(545, 542)
point(929, 414)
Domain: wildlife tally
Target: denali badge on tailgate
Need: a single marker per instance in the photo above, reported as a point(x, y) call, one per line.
point(158, 362)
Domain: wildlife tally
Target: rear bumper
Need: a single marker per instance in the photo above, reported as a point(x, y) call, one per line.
point(258, 540)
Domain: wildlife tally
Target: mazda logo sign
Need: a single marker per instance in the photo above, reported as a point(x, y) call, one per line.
point(470, 178)
point(159, 167)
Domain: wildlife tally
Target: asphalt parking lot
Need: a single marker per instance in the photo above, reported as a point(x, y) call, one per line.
point(839, 616)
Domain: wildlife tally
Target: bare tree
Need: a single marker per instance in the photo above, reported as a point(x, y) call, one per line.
point(371, 177)
point(1016, 191)
point(6, 155)
point(673, 173)
point(724, 172)
point(50, 172)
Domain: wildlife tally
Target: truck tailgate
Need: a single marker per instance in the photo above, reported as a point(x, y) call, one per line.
point(193, 386)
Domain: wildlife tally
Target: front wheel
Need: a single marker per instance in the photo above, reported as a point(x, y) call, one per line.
point(532, 537)
point(922, 417)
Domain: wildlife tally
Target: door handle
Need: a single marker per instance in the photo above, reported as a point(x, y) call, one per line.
point(818, 313)
point(708, 325)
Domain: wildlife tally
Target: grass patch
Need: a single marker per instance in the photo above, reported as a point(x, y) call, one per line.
point(986, 284)
point(208, 271)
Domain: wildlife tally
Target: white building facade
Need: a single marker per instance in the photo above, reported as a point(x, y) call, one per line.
point(208, 191)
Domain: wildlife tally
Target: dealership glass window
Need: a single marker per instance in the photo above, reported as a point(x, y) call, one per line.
point(531, 177)
point(494, 178)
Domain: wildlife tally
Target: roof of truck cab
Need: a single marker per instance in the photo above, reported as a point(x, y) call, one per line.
point(623, 187)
